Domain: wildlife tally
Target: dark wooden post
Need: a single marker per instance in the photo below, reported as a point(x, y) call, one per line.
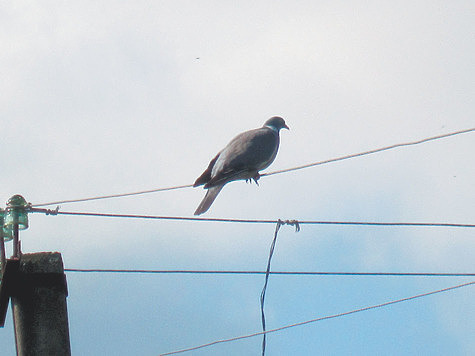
point(38, 294)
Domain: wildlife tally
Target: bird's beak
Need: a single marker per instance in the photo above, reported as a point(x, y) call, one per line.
point(286, 127)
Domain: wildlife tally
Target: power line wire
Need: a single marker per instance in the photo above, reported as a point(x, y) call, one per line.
point(115, 195)
point(251, 221)
point(369, 152)
point(279, 222)
point(264, 174)
point(285, 273)
point(320, 319)
point(264, 289)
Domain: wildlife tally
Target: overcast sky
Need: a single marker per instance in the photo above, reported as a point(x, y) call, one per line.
point(106, 97)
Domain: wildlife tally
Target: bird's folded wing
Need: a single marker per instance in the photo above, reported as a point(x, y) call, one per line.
point(206, 176)
point(248, 152)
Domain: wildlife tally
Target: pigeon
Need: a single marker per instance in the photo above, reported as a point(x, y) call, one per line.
point(243, 158)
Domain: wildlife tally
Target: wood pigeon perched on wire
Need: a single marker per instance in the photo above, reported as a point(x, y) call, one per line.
point(243, 158)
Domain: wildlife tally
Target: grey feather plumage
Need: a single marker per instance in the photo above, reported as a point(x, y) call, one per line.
point(243, 158)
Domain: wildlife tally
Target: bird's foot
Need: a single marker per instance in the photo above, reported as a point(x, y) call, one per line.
point(255, 179)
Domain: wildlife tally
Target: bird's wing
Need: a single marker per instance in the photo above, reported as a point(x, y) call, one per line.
point(244, 156)
point(206, 176)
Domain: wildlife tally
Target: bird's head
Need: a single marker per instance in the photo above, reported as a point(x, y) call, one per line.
point(276, 123)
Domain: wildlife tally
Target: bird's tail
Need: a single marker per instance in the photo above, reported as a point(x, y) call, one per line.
point(209, 198)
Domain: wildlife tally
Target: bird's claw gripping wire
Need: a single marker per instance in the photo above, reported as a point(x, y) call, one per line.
point(255, 178)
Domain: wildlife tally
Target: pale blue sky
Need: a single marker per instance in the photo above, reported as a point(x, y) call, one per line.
point(109, 97)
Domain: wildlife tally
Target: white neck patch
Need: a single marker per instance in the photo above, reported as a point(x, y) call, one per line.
point(272, 128)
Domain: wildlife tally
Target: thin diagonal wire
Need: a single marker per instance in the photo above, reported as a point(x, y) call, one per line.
point(288, 273)
point(263, 293)
point(264, 174)
point(114, 195)
point(321, 318)
point(368, 152)
point(250, 221)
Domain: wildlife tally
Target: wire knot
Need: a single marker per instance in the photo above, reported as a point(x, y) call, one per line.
point(52, 212)
point(46, 211)
point(290, 222)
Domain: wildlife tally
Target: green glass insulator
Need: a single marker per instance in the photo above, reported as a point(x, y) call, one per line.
point(16, 213)
point(5, 233)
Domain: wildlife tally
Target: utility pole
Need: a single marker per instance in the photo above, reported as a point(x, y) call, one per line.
point(39, 305)
point(36, 285)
